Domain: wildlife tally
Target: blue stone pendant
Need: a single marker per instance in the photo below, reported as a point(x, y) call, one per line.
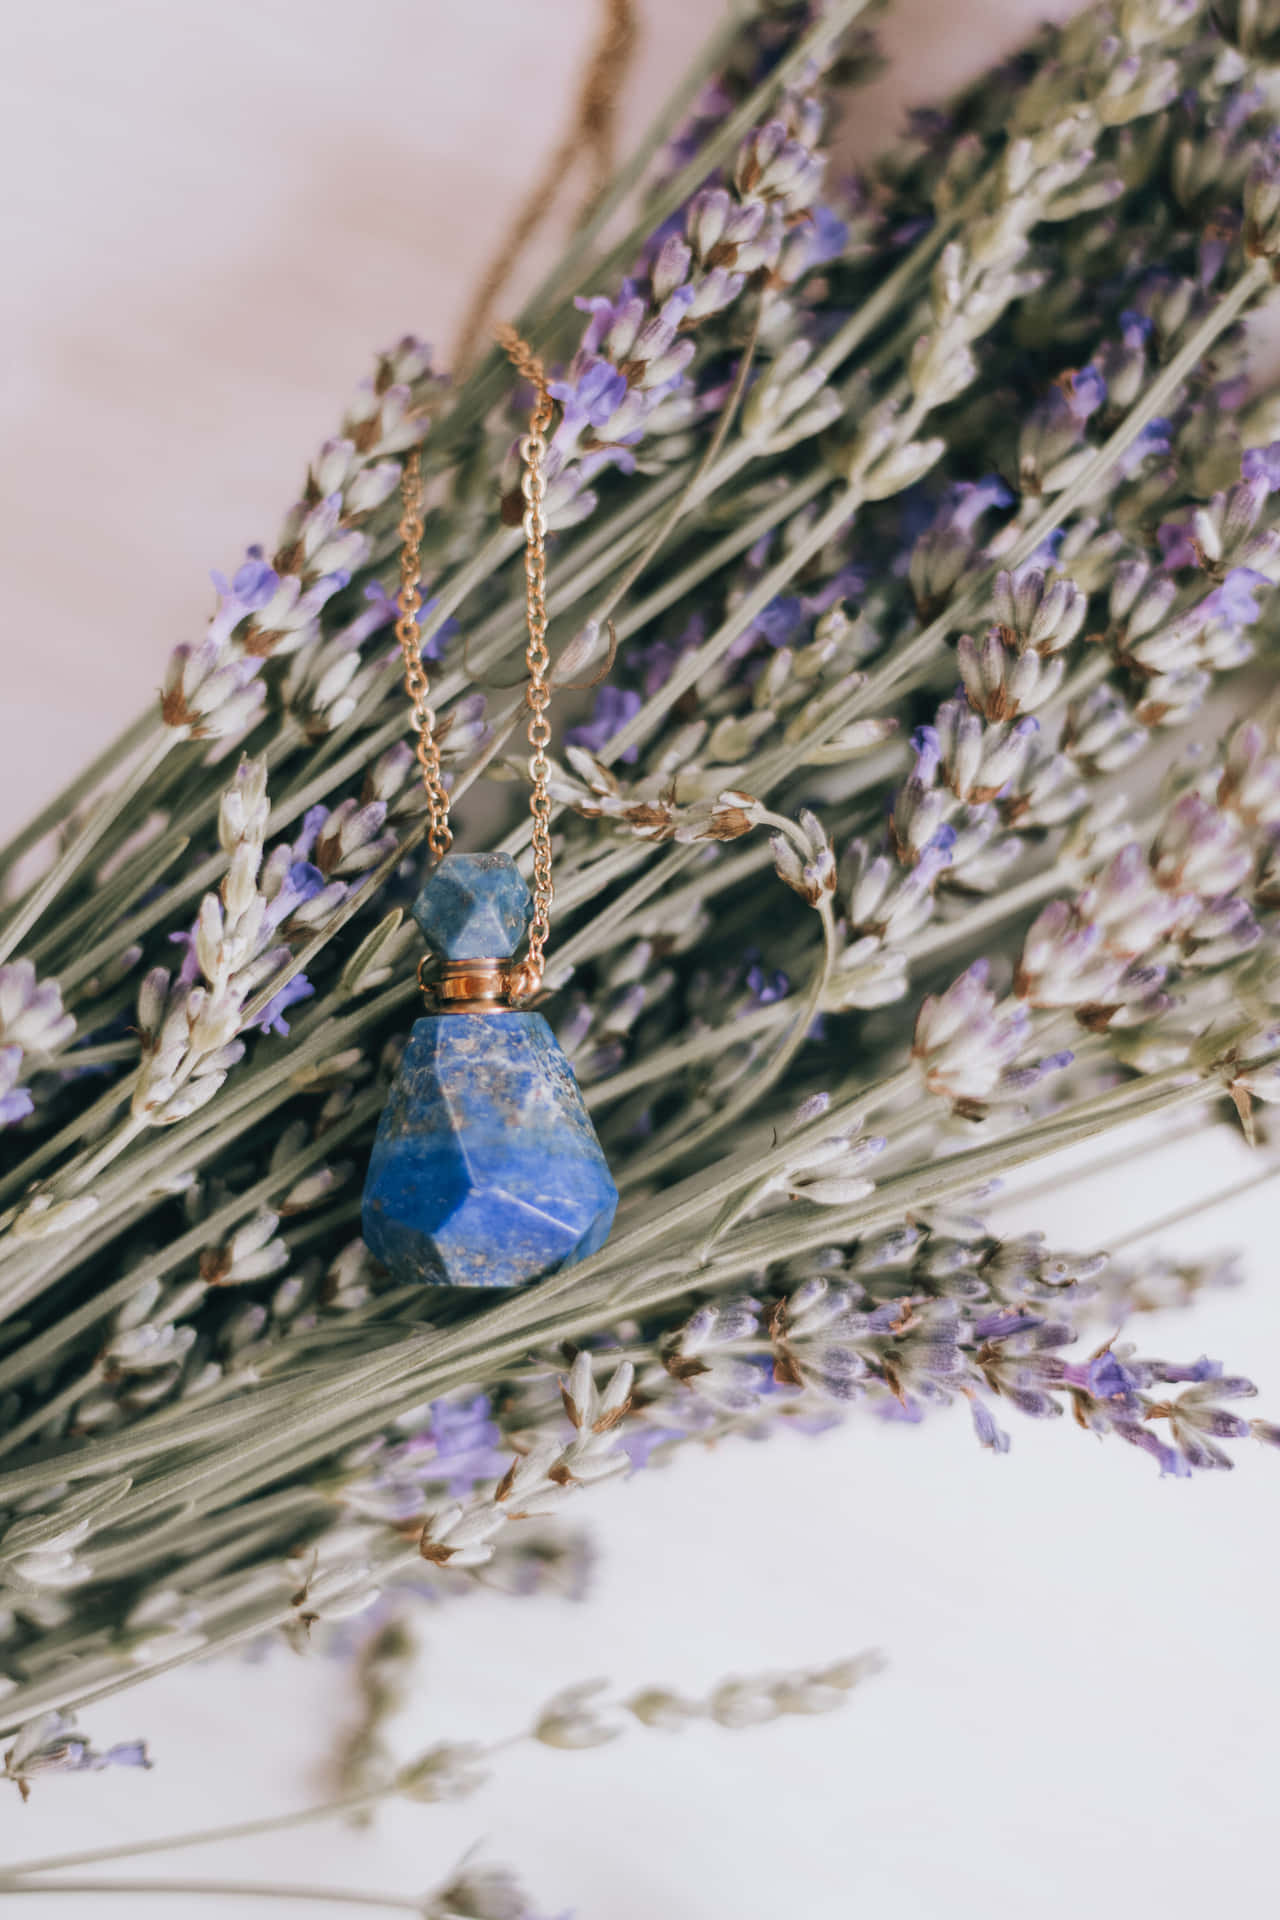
point(486, 1170)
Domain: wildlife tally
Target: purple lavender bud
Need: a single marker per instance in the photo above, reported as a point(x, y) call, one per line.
point(1234, 602)
point(707, 219)
point(1262, 205)
point(1193, 1370)
point(1219, 1422)
point(126, 1753)
point(1220, 1386)
point(380, 611)
point(271, 1019)
point(765, 989)
point(1004, 1323)
point(758, 152)
point(312, 822)
point(1177, 546)
point(301, 882)
point(15, 1101)
point(1086, 391)
point(592, 399)
point(1240, 511)
point(1124, 362)
point(1105, 1377)
point(1171, 1463)
point(927, 748)
point(433, 647)
point(991, 1436)
point(1156, 438)
point(1263, 463)
point(664, 374)
point(828, 236)
point(972, 498)
point(671, 268)
point(780, 621)
point(1200, 850)
point(614, 707)
point(717, 289)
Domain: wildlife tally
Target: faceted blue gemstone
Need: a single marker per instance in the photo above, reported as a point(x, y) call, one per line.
point(475, 906)
point(486, 1170)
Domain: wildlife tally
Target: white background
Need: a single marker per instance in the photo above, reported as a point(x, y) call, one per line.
point(214, 213)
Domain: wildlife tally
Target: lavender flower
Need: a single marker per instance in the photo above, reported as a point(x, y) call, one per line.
point(15, 1101)
point(614, 706)
point(635, 353)
point(34, 1026)
point(480, 1893)
point(51, 1745)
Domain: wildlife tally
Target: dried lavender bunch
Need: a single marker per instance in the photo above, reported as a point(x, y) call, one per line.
point(925, 506)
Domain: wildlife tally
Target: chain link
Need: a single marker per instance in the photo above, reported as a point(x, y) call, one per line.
point(533, 449)
point(416, 684)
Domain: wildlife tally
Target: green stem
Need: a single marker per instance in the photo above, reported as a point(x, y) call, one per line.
point(206, 1233)
point(139, 733)
point(686, 500)
point(608, 537)
point(223, 1889)
point(54, 1694)
point(948, 1179)
point(50, 1410)
point(691, 668)
point(715, 50)
point(756, 1085)
point(198, 800)
point(53, 1149)
point(1103, 1163)
point(507, 1330)
point(1180, 1215)
point(908, 659)
point(72, 858)
point(744, 1252)
point(111, 1149)
point(103, 904)
point(881, 305)
point(255, 1519)
point(507, 724)
point(239, 1830)
point(539, 327)
point(672, 1060)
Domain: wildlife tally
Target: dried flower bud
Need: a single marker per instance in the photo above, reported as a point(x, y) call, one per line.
point(575, 1719)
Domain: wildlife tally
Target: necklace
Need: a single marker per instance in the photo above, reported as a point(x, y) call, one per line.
point(486, 1170)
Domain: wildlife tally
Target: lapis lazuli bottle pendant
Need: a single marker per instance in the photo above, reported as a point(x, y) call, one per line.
point(486, 1170)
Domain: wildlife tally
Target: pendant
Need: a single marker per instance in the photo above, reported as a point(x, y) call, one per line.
point(486, 1170)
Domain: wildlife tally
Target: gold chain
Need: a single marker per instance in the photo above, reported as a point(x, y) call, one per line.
point(533, 448)
point(537, 694)
point(416, 684)
point(592, 137)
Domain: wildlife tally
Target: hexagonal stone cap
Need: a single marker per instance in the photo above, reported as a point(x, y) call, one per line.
point(475, 906)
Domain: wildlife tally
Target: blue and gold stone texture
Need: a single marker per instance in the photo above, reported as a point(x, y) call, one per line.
point(475, 906)
point(486, 1170)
